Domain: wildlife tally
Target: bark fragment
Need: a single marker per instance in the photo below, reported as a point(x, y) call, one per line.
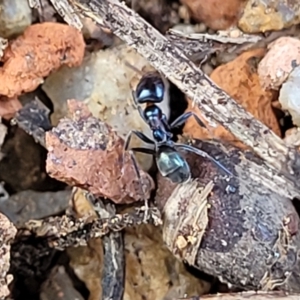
point(231, 227)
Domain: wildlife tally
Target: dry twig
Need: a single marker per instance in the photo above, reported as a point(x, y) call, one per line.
point(66, 231)
point(252, 295)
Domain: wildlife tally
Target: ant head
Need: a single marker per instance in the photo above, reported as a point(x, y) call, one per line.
point(151, 88)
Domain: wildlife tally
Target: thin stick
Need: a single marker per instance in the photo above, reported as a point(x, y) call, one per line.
point(65, 231)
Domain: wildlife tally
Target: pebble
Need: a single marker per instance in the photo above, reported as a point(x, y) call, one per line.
point(277, 64)
point(289, 95)
point(15, 17)
point(26, 205)
point(267, 15)
point(184, 13)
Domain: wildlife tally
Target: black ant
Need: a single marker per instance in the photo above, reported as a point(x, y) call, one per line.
point(169, 161)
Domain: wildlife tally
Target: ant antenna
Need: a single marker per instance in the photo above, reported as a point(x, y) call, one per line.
point(136, 168)
point(129, 65)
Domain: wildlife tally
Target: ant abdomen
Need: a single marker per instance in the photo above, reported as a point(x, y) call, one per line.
point(151, 89)
point(172, 165)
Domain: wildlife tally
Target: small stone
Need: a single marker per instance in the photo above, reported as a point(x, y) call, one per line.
point(235, 33)
point(267, 15)
point(184, 13)
point(216, 14)
point(200, 28)
point(41, 49)
point(3, 46)
point(184, 28)
point(15, 17)
point(152, 271)
point(289, 96)
point(292, 137)
point(278, 63)
point(26, 205)
point(9, 106)
point(92, 30)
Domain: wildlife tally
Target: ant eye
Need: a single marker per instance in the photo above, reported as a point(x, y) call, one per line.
point(160, 90)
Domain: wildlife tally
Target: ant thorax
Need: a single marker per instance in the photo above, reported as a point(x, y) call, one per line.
point(160, 136)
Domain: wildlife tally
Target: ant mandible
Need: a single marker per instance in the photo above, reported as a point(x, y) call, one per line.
point(169, 161)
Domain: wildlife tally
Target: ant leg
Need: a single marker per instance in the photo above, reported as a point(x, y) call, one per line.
point(203, 154)
point(132, 67)
point(146, 202)
point(144, 150)
point(204, 59)
point(165, 122)
point(141, 150)
point(147, 151)
point(137, 106)
point(183, 118)
point(144, 138)
point(140, 135)
point(134, 98)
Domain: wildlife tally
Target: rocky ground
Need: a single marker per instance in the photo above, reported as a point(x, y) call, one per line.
point(66, 107)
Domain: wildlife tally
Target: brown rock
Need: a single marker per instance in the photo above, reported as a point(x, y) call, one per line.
point(42, 49)
point(9, 106)
point(152, 272)
point(240, 80)
point(216, 14)
point(277, 64)
point(267, 15)
point(85, 152)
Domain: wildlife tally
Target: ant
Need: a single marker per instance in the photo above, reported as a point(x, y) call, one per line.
point(169, 161)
